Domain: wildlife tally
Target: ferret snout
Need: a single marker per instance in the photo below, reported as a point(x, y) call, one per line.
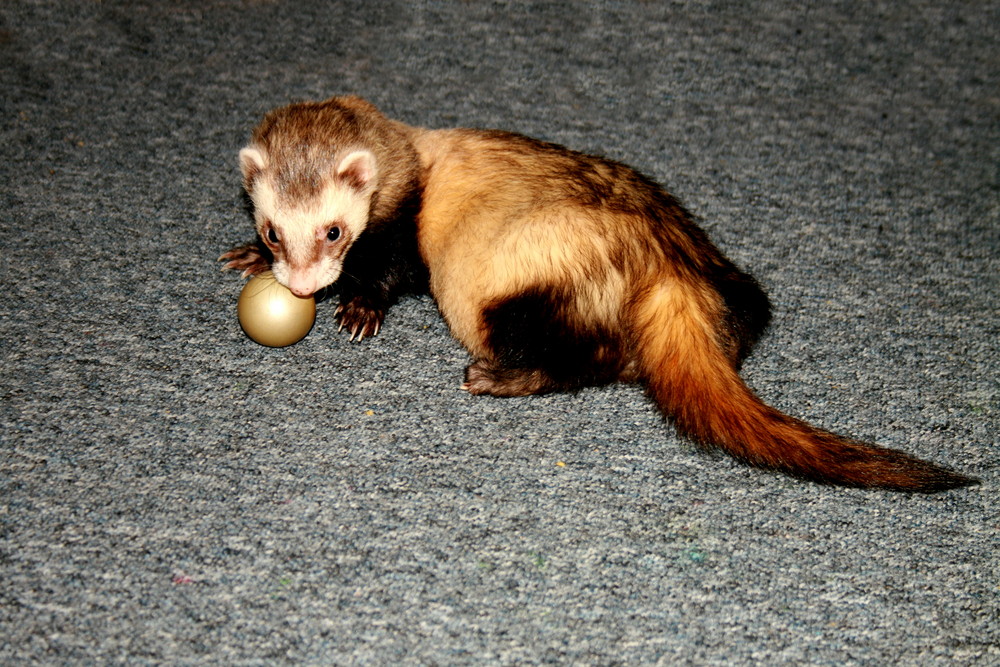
point(304, 281)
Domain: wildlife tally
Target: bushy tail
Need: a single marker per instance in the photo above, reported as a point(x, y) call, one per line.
point(690, 377)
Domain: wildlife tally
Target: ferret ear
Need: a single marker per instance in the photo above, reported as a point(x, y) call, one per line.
point(252, 162)
point(357, 169)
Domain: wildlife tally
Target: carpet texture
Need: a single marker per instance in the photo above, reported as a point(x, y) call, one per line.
point(174, 493)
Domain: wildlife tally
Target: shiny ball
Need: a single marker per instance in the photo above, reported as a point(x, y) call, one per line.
point(271, 315)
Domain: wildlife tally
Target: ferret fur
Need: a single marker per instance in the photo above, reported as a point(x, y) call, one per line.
point(555, 269)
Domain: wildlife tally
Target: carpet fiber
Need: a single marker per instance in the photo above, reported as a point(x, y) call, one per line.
point(173, 492)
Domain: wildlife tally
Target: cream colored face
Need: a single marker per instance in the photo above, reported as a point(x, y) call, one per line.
point(310, 238)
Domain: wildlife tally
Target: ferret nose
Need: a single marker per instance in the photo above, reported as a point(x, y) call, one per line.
point(301, 288)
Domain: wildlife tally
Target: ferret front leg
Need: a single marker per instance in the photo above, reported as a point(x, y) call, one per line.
point(364, 301)
point(380, 267)
point(249, 259)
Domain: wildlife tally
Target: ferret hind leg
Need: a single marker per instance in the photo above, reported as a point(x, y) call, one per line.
point(538, 346)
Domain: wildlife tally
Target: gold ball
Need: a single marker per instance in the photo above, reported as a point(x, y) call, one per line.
point(271, 315)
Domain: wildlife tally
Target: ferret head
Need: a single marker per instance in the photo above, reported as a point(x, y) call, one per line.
point(309, 217)
point(319, 175)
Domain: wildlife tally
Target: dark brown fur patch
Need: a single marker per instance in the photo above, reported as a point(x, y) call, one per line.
point(537, 332)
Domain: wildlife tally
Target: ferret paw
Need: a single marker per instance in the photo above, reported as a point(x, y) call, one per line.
point(484, 377)
point(360, 318)
point(249, 259)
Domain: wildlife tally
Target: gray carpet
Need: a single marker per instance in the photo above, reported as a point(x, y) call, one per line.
point(174, 493)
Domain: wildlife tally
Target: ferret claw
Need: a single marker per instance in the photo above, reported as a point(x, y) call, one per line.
point(359, 319)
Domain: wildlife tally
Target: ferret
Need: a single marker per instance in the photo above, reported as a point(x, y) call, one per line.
point(556, 270)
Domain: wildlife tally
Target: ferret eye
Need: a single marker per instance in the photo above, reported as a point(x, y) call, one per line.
point(272, 235)
point(333, 234)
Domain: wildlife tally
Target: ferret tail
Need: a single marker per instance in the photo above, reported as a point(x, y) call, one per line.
point(690, 376)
